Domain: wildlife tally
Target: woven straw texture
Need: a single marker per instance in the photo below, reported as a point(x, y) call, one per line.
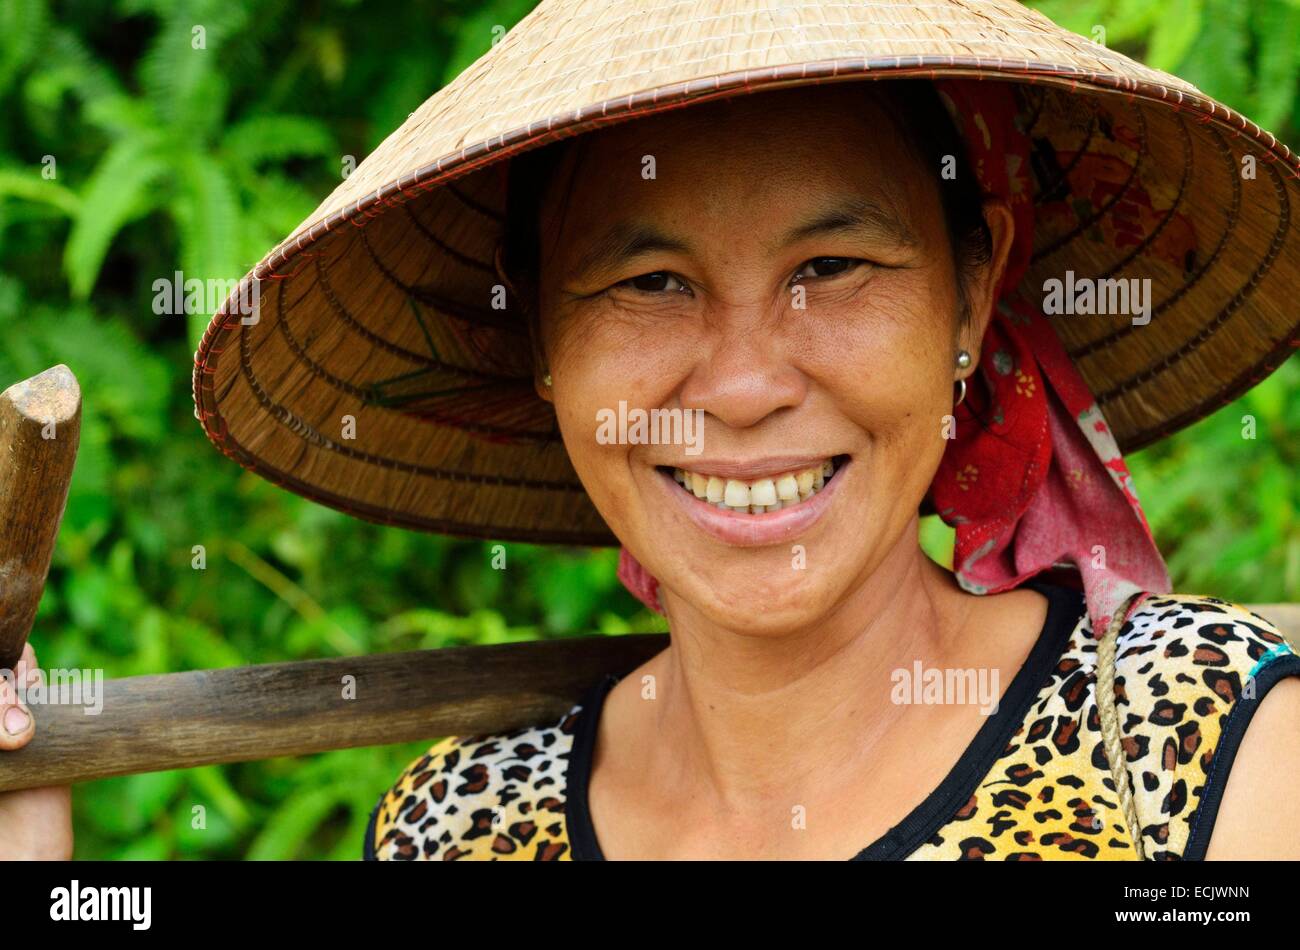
point(378, 306)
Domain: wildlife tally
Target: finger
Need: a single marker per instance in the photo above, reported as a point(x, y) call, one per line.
point(27, 671)
point(16, 722)
point(16, 726)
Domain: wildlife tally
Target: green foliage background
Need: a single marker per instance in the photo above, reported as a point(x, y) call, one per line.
point(170, 158)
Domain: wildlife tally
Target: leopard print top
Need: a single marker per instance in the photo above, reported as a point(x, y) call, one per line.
point(1035, 784)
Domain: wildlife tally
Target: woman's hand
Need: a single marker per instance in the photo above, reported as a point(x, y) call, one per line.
point(35, 823)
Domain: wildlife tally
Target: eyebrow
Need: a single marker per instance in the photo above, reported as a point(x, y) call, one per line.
point(624, 240)
point(844, 215)
point(853, 214)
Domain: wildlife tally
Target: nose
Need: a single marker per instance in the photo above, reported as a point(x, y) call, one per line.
point(743, 372)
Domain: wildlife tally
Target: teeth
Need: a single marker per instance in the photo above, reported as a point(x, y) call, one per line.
point(760, 496)
point(736, 494)
point(763, 493)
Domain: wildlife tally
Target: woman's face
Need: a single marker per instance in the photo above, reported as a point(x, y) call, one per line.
point(781, 264)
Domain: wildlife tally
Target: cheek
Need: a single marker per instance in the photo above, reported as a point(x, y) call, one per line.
point(596, 363)
point(889, 358)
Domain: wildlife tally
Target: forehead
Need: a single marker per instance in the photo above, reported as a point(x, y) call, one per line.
point(762, 151)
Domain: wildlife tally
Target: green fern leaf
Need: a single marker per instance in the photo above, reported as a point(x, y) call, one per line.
point(67, 66)
point(1217, 63)
point(30, 186)
point(1277, 32)
point(119, 191)
point(270, 138)
point(22, 31)
point(181, 71)
point(207, 213)
point(1174, 34)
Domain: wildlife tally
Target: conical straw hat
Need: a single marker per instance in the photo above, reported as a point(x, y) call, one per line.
point(377, 307)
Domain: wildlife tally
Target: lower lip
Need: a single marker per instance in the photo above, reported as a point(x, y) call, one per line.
point(745, 530)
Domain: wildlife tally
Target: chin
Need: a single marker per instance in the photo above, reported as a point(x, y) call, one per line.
point(765, 597)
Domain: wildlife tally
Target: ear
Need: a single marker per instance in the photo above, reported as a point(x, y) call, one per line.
point(520, 298)
point(539, 384)
point(540, 364)
point(981, 292)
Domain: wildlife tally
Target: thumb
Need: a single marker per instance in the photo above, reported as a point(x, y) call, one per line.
point(17, 726)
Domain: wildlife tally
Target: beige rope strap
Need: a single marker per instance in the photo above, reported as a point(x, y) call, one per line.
point(1110, 723)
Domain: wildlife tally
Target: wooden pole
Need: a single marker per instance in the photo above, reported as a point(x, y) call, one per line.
point(238, 714)
point(40, 426)
point(182, 720)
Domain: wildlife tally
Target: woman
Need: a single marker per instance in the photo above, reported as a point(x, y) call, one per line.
point(772, 727)
point(845, 283)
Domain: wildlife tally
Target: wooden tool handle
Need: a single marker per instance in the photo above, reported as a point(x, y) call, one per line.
point(182, 720)
point(40, 426)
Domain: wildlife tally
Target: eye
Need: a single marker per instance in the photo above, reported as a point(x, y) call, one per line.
point(826, 267)
point(657, 282)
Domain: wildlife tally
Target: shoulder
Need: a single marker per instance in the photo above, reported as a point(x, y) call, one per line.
point(1214, 647)
point(1190, 673)
point(494, 797)
point(1258, 809)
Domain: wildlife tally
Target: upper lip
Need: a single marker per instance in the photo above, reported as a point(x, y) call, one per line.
point(750, 469)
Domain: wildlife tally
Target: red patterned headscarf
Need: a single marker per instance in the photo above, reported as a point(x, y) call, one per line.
point(1034, 479)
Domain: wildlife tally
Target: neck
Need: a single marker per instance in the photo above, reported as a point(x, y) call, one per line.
point(750, 715)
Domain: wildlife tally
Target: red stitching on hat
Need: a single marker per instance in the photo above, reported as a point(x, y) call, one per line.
point(306, 258)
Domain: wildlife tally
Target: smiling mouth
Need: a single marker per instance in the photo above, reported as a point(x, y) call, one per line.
point(761, 495)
